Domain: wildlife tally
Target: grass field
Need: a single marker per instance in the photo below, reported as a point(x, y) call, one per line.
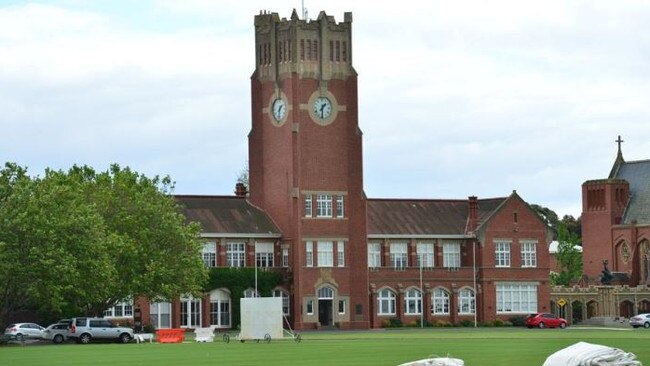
point(477, 347)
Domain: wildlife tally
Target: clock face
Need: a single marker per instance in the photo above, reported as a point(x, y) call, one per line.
point(279, 109)
point(322, 107)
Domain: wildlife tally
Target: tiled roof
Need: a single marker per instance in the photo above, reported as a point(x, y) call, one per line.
point(424, 217)
point(227, 214)
point(637, 174)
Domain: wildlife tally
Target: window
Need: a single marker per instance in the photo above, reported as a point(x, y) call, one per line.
point(529, 254)
point(160, 315)
point(314, 51)
point(235, 254)
point(341, 306)
point(309, 247)
point(451, 255)
point(374, 255)
point(209, 252)
point(425, 255)
point(466, 301)
point(302, 50)
point(122, 309)
point(398, 257)
point(310, 307)
point(386, 302)
point(220, 309)
point(308, 212)
point(309, 49)
point(264, 255)
point(285, 257)
point(502, 253)
point(325, 293)
point(344, 50)
point(338, 51)
point(190, 312)
point(285, 300)
point(516, 298)
point(339, 206)
point(323, 205)
point(440, 302)
point(413, 302)
point(331, 50)
point(250, 292)
point(340, 254)
point(325, 254)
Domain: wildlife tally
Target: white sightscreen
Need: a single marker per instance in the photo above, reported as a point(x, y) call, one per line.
point(261, 316)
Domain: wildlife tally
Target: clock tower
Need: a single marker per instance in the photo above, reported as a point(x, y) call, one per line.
point(305, 160)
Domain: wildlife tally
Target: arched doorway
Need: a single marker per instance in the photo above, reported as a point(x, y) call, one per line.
point(644, 306)
point(325, 306)
point(592, 309)
point(626, 309)
point(576, 316)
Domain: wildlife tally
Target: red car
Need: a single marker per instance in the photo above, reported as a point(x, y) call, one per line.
point(545, 320)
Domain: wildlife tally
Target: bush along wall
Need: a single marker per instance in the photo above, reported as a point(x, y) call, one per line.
point(237, 280)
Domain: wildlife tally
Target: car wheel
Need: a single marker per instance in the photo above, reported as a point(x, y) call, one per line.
point(125, 338)
point(20, 337)
point(57, 339)
point(563, 325)
point(85, 338)
point(541, 325)
point(646, 325)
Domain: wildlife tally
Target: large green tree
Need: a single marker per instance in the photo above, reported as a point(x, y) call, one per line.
point(80, 241)
point(568, 256)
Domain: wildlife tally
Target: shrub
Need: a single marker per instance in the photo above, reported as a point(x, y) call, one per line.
point(498, 323)
point(517, 321)
point(395, 323)
point(466, 323)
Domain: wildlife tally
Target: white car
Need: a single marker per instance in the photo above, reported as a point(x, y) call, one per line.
point(83, 330)
point(22, 331)
point(57, 332)
point(640, 320)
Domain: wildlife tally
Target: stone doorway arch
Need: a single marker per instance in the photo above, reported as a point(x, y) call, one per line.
point(626, 309)
point(592, 309)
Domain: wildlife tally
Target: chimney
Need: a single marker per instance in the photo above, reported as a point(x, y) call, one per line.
point(240, 190)
point(472, 215)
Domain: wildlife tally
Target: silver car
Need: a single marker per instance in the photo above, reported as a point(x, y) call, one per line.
point(640, 320)
point(22, 331)
point(57, 332)
point(83, 330)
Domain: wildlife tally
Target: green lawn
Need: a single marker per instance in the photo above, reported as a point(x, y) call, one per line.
point(477, 347)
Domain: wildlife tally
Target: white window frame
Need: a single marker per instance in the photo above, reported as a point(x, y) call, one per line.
point(324, 205)
point(440, 302)
point(413, 302)
point(502, 253)
point(309, 206)
point(340, 254)
point(160, 314)
point(425, 255)
point(529, 253)
point(451, 255)
point(309, 253)
point(340, 209)
point(220, 309)
point(264, 255)
point(309, 307)
point(342, 306)
point(285, 257)
point(516, 297)
point(190, 316)
point(250, 293)
point(399, 256)
point(236, 254)
point(285, 300)
point(374, 255)
point(123, 309)
point(209, 254)
point(325, 251)
point(466, 301)
point(386, 302)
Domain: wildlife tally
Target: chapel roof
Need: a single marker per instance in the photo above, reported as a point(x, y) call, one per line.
point(637, 174)
point(227, 215)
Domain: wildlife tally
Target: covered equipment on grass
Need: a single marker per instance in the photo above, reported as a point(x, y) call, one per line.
point(261, 318)
point(587, 354)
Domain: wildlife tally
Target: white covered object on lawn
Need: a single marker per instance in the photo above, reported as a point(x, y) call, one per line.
point(261, 316)
point(438, 361)
point(587, 354)
point(204, 334)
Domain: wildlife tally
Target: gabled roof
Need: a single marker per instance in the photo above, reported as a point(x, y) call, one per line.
point(227, 215)
point(417, 217)
point(637, 174)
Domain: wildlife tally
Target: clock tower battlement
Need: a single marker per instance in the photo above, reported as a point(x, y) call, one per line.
point(319, 49)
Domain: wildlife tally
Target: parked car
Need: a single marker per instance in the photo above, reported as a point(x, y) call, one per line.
point(545, 320)
point(640, 320)
point(83, 330)
point(57, 332)
point(22, 331)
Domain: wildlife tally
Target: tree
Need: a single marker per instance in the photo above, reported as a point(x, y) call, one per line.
point(549, 216)
point(242, 177)
point(573, 225)
point(568, 256)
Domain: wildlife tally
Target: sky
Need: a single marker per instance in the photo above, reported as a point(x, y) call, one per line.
point(456, 98)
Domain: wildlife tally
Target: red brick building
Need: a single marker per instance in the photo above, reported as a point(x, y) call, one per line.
point(354, 262)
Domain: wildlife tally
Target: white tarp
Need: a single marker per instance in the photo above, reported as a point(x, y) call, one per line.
point(261, 316)
point(587, 354)
point(438, 361)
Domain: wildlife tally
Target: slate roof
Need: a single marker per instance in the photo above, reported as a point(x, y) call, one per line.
point(637, 174)
point(424, 217)
point(227, 215)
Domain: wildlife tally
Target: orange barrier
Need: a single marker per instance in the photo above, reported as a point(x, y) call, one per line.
point(170, 335)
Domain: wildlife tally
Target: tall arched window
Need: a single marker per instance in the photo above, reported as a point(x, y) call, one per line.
point(325, 293)
point(386, 302)
point(413, 302)
point(285, 300)
point(440, 302)
point(220, 308)
point(466, 301)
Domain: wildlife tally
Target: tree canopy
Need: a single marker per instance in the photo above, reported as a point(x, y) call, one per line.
point(80, 241)
point(568, 257)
